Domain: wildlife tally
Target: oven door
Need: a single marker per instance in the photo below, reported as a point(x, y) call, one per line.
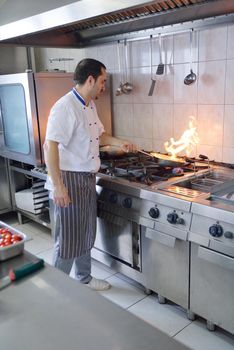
point(212, 285)
point(118, 237)
point(19, 138)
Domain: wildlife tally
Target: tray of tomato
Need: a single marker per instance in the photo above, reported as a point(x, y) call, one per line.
point(11, 241)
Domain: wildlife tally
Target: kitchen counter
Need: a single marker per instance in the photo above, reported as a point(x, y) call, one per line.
point(49, 310)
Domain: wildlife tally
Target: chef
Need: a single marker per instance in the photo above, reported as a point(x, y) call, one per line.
point(74, 133)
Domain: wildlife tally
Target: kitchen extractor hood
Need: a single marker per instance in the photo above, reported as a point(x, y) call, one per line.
point(87, 22)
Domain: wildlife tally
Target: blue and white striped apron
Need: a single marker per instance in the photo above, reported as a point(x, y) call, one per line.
point(78, 220)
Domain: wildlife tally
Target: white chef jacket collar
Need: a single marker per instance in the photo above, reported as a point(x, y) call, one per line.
point(78, 96)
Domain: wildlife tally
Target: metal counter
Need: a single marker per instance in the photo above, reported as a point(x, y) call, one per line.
point(49, 310)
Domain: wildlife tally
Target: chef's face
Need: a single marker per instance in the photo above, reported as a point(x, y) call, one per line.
point(99, 84)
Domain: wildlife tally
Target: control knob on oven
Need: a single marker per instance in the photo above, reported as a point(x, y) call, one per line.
point(216, 230)
point(172, 218)
point(229, 234)
point(154, 213)
point(127, 202)
point(113, 198)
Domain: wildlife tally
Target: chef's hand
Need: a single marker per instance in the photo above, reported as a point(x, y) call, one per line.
point(61, 197)
point(128, 147)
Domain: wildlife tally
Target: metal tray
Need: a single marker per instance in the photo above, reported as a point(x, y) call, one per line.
point(13, 249)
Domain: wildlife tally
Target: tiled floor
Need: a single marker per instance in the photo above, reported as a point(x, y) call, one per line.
point(128, 294)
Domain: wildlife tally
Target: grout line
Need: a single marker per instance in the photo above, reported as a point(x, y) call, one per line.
point(181, 329)
point(127, 308)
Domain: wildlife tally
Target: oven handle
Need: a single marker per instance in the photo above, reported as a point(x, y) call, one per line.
point(113, 219)
point(216, 258)
point(160, 237)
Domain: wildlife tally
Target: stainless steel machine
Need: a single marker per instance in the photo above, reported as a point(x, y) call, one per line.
point(172, 231)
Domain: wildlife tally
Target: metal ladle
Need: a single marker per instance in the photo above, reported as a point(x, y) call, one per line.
point(126, 87)
point(191, 77)
point(119, 90)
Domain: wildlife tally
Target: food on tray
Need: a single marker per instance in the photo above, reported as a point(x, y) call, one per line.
point(7, 237)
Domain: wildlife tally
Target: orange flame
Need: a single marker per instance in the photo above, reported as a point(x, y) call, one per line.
point(187, 141)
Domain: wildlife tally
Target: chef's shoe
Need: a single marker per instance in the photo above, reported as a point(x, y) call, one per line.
point(99, 285)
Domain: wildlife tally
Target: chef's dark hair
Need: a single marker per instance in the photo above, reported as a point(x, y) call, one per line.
point(87, 67)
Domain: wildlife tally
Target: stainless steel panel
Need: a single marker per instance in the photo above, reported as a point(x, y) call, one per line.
point(196, 238)
point(160, 237)
point(5, 198)
point(221, 247)
point(162, 198)
point(115, 237)
point(34, 156)
point(171, 230)
point(200, 225)
point(166, 269)
point(213, 257)
point(212, 291)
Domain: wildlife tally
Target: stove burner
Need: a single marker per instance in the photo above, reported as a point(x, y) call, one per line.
point(142, 169)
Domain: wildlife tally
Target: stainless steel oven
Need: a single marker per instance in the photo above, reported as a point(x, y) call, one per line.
point(25, 102)
point(118, 229)
point(212, 262)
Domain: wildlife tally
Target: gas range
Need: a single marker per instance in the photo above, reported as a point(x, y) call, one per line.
point(144, 170)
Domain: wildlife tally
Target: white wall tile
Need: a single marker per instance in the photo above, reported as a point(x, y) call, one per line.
point(184, 93)
point(229, 89)
point(212, 152)
point(228, 137)
point(166, 48)
point(145, 144)
point(211, 82)
point(140, 53)
point(162, 121)
point(228, 155)
point(182, 47)
point(230, 41)
point(123, 120)
point(213, 43)
point(91, 52)
point(210, 124)
point(164, 88)
point(142, 120)
point(182, 115)
point(141, 82)
point(107, 54)
point(158, 146)
point(77, 55)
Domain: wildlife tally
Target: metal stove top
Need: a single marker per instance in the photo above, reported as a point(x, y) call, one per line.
point(143, 169)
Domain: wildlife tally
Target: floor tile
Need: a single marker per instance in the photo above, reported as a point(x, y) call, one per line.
point(122, 293)
point(197, 337)
point(47, 255)
point(37, 245)
point(101, 273)
point(169, 318)
point(130, 281)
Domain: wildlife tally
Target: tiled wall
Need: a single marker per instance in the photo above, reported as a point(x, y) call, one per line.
point(150, 121)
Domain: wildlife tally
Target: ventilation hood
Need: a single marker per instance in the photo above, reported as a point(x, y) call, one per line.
point(88, 22)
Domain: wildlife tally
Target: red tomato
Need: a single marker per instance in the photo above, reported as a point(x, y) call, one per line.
point(16, 238)
point(2, 245)
point(7, 235)
point(5, 230)
point(7, 242)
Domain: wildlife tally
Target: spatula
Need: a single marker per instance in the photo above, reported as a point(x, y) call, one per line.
point(160, 69)
point(153, 80)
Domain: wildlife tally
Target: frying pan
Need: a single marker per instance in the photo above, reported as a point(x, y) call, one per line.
point(109, 151)
point(165, 160)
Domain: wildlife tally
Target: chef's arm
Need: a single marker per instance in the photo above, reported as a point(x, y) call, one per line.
point(51, 153)
point(106, 139)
